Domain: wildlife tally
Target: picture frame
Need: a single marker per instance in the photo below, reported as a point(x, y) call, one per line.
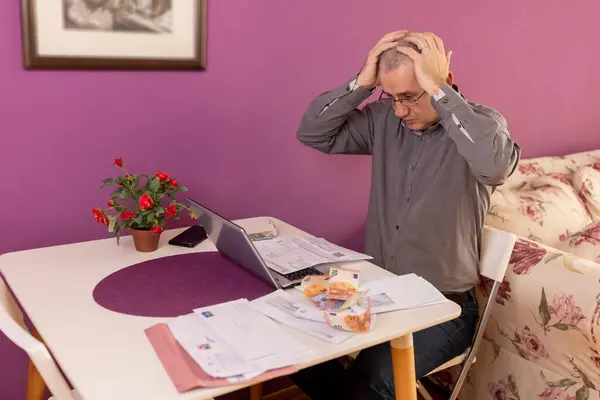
point(114, 34)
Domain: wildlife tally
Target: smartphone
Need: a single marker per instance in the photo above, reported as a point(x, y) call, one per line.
point(191, 237)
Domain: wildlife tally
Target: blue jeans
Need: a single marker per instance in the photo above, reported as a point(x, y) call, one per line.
point(370, 376)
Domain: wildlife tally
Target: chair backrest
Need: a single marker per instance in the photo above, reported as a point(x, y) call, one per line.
point(13, 326)
point(496, 250)
point(495, 254)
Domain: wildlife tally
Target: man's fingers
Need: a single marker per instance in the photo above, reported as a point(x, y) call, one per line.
point(410, 52)
point(419, 42)
point(395, 33)
point(426, 38)
point(383, 47)
point(391, 37)
point(438, 42)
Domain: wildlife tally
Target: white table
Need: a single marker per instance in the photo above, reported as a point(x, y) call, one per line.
point(106, 355)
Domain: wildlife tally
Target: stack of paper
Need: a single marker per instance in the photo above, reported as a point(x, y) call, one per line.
point(385, 295)
point(288, 310)
point(293, 253)
point(234, 341)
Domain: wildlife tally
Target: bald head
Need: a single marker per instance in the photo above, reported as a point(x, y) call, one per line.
point(392, 58)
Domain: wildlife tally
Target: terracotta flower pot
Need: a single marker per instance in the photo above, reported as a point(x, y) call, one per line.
point(145, 241)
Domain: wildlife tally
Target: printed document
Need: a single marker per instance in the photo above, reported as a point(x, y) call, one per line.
point(293, 253)
point(233, 340)
point(286, 309)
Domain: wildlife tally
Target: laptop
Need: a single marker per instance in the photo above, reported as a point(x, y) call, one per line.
point(232, 241)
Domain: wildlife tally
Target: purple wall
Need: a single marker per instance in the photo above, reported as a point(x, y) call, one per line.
point(229, 133)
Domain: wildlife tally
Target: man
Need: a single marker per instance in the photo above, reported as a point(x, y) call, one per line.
point(436, 160)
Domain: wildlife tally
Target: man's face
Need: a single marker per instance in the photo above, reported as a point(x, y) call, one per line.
point(401, 84)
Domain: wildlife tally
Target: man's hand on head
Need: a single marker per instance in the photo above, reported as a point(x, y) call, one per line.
point(368, 77)
point(432, 65)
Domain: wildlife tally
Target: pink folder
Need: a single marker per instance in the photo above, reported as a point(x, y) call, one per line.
point(184, 372)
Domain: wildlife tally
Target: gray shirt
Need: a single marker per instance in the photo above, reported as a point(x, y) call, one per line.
point(430, 190)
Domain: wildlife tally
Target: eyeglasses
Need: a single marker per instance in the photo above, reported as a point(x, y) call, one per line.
point(404, 102)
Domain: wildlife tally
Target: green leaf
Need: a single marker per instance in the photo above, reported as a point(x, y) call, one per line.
point(159, 211)
point(562, 327)
point(512, 385)
point(552, 256)
point(112, 223)
point(154, 185)
point(138, 220)
point(586, 381)
point(171, 195)
point(521, 352)
point(543, 308)
point(583, 393)
point(182, 188)
point(117, 196)
point(496, 350)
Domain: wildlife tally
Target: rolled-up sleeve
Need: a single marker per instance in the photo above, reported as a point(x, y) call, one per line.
point(481, 135)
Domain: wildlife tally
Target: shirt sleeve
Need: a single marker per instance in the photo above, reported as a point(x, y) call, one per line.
point(481, 135)
point(333, 124)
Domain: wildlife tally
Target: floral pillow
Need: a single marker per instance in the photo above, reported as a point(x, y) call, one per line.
point(586, 181)
point(540, 209)
point(584, 244)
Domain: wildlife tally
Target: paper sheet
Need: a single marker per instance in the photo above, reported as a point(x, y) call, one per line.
point(214, 356)
point(251, 334)
point(286, 309)
point(293, 253)
point(402, 292)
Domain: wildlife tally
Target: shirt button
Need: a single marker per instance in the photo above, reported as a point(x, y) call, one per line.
point(397, 227)
point(459, 126)
point(407, 199)
point(422, 139)
point(411, 168)
point(347, 88)
point(444, 100)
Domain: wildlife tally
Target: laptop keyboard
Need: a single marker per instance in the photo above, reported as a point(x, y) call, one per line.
point(299, 275)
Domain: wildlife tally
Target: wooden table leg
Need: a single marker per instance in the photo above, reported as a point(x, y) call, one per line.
point(403, 363)
point(256, 391)
point(36, 387)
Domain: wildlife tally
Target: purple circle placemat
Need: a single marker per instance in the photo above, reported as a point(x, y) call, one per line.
point(175, 285)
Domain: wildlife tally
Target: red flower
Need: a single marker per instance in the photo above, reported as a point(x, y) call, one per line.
point(145, 202)
point(118, 162)
point(162, 176)
point(127, 215)
point(535, 348)
point(157, 229)
point(498, 390)
point(173, 183)
point(560, 177)
point(111, 203)
point(591, 235)
point(504, 291)
point(171, 211)
point(525, 256)
point(528, 169)
point(99, 216)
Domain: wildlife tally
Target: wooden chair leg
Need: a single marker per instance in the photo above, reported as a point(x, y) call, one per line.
point(256, 392)
point(36, 387)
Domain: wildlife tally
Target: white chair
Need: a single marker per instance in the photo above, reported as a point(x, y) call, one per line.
point(13, 326)
point(495, 256)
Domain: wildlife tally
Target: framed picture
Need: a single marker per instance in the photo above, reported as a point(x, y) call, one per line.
point(114, 34)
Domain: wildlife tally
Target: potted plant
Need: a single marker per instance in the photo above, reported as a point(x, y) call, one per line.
point(141, 203)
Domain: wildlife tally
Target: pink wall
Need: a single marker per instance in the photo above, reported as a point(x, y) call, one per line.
point(229, 133)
